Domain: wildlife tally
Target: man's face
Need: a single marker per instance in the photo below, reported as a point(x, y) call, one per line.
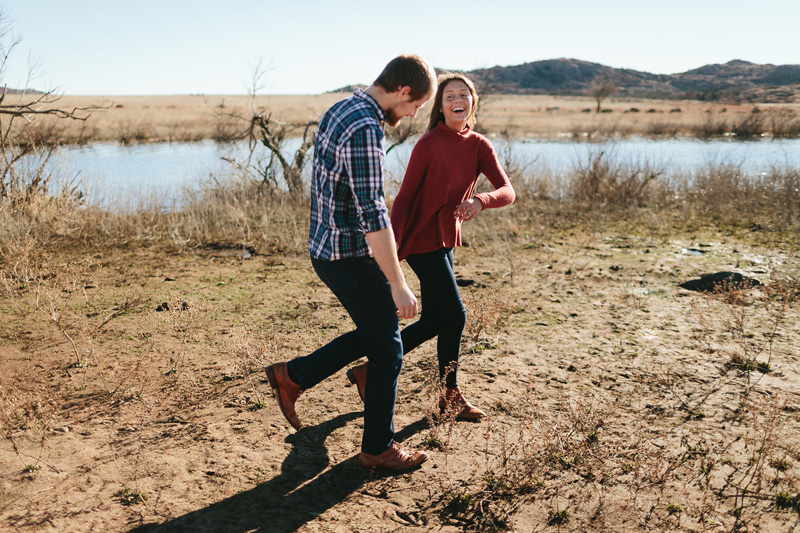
point(405, 106)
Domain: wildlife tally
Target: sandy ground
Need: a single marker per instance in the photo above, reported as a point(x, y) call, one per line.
point(612, 402)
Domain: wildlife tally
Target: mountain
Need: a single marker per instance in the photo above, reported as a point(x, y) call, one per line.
point(6, 90)
point(735, 79)
point(349, 88)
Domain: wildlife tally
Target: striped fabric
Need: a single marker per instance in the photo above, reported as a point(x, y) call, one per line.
point(347, 198)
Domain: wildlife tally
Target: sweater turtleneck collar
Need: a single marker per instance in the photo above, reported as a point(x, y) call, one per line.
point(444, 129)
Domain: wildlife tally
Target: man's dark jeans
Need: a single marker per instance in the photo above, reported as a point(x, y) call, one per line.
point(365, 293)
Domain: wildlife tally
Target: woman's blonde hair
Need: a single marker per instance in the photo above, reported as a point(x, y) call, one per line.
point(437, 115)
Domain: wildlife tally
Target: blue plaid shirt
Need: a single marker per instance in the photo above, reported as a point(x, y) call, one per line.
point(347, 199)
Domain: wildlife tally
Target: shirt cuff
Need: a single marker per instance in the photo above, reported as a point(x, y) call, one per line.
point(376, 221)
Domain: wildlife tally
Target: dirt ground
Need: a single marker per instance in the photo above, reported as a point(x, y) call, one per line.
point(134, 396)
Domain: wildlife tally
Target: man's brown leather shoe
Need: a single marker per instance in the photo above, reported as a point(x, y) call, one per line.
point(453, 401)
point(395, 459)
point(286, 391)
point(358, 377)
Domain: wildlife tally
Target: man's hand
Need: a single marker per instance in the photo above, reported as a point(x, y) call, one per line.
point(405, 301)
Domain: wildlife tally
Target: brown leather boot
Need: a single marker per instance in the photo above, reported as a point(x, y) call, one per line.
point(358, 377)
point(395, 459)
point(454, 401)
point(286, 391)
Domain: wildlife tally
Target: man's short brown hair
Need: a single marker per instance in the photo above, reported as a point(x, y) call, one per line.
point(408, 70)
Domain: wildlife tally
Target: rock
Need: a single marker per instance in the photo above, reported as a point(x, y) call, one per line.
point(164, 306)
point(711, 282)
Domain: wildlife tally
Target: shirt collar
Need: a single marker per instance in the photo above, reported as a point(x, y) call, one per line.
point(360, 93)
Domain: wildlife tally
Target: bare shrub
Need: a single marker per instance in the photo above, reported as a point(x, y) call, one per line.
point(253, 349)
point(783, 185)
point(50, 299)
point(750, 322)
point(750, 126)
point(784, 123)
point(26, 418)
point(727, 193)
point(227, 128)
point(238, 210)
point(663, 129)
point(21, 255)
point(601, 181)
point(749, 486)
point(560, 457)
point(718, 189)
point(710, 127)
point(486, 313)
point(132, 132)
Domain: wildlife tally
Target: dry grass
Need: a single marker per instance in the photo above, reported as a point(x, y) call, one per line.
point(132, 119)
point(610, 410)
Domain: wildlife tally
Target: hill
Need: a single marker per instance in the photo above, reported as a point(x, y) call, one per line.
point(7, 90)
point(733, 80)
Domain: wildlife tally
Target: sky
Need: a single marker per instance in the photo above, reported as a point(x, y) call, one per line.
point(92, 47)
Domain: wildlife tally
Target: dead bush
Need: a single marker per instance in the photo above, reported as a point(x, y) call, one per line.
point(603, 182)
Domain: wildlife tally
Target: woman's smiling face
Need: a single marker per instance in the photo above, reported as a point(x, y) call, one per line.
point(456, 104)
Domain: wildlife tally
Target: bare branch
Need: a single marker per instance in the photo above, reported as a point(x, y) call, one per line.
point(403, 132)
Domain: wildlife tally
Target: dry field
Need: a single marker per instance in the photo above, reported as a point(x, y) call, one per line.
point(130, 119)
point(132, 395)
point(133, 341)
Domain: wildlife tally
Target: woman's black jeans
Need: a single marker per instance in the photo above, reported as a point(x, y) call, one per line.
point(443, 313)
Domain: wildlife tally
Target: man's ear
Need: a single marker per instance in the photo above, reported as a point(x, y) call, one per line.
point(404, 92)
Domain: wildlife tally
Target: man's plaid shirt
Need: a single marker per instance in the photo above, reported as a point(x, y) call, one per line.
point(347, 199)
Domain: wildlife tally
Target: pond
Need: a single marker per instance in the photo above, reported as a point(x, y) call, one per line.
point(164, 169)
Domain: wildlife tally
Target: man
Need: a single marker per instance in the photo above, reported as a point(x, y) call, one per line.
point(353, 251)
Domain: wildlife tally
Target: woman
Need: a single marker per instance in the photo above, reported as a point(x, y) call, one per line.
point(435, 198)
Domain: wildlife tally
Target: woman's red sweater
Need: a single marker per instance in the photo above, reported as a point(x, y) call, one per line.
point(441, 174)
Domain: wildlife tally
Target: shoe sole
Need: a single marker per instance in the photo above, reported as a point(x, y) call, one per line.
point(384, 470)
point(352, 377)
point(274, 384)
point(461, 418)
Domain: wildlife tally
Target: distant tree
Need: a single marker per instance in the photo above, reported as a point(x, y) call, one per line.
point(601, 88)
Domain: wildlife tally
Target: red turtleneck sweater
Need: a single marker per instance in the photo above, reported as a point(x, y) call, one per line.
point(441, 174)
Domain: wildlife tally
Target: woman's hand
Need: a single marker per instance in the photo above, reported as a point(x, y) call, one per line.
point(468, 210)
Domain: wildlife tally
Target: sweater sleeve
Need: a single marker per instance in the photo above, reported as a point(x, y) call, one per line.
point(412, 181)
point(489, 166)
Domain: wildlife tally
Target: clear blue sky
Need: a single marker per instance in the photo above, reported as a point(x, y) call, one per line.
point(312, 46)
